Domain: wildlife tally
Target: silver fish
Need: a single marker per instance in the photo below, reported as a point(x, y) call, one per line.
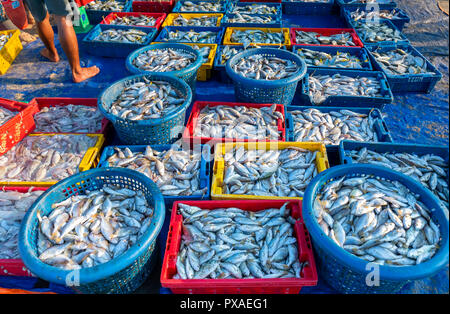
point(254, 8)
point(195, 20)
point(313, 38)
point(5, 115)
point(202, 6)
point(400, 62)
point(261, 67)
point(4, 39)
point(163, 60)
point(337, 60)
point(108, 5)
point(251, 19)
point(377, 32)
point(130, 20)
point(372, 15)
point(257, 36)
point(132, 35)
point(191, 36)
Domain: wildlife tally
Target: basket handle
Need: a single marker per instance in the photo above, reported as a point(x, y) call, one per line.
point(289, 127)
point(322, 163)
point(88, 159)
point(204, 170)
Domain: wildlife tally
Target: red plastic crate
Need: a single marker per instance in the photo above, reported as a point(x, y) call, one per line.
point(242, 286)
point(40, 102)
point(327, 32)
point(160, 17)
point(15, 267)
point(150, 6)
point(199, 105)
point(16, 128)
point(82, 2)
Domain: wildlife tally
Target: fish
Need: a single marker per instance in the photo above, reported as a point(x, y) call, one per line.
point(68, 119)
point(401, 62)
point(278, 173)
point(323, 86)
point(255, 8)
point(238, 122)
point(336, 60)
point(261, 67)
point(175, 171)
point(130, 20)
point(13, 207)
point(204, 51)
point(163, 60)
point(257, 36)
point(191, 36)
point(312, 125)
point(372, 15)
point(313, 38)
point(4, 39)
point(372, 217)
point(228, 51)
point(108, 5)
point(377, 32)
point(132, 35)
point(195, 20)
point(202, 6)
point(146, 99)
point(6, 114)
point(429, 169)
point(45, 158)
point(272, 255)
point(75, 240)
point(250, 19)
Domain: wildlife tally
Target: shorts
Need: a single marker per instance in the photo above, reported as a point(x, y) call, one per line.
point(38, 8)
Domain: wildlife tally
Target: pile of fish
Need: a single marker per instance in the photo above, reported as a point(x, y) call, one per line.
point(311, 125)
point(70, 118)
point(377, 220)
point(363, 1)
point(163, 60)
point(175, 171)
point(13, 206)
point(399, 62)
point(282, 173)
point(146, 100)
point(122, 36)
point(4, 39)
point(431, 170)
point(229, 51)
point(90, 229)
point(254, 9)
point(202, 6)
point(313, 38)
point(45, 158)
point(232, 243)
point(374, 15)
point(204, 51)
point(108, 5)
point(259, 67)
point(377, 32)
point(251, 19)
point(239, 122)
point(257, 36)
point(323, 86)
point(337, 60)
point(317, 1)
point(204, 37)
point(141, 20)
point(203, 21)
point(5, 115)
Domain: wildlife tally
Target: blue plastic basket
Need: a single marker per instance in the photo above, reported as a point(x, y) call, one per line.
point(188, 74)
point(382, 4)
point(114, 49)
point(276, 21)
point(347, 273)
point(163, 35)
point(96, 16)
point(176, 8)
point(205, 165)
point(262, 91)
point(277, 6)
point(398, 22)
point(380, 126)
point(123, 274)
point(164, 130)
point(361, 53)
point(380, 43)
point(416, 83)
point(349, 101)
point(308, 8)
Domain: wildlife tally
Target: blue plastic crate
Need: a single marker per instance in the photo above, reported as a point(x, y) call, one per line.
point(205, 165)
point(308, 8)
point(114, 49)
point(398, 22)
point(277, 6)
point(163, 35)
point(347, 273)
point(123, 274)
point(188, 74)
point(177, 7)
point(348, 101)
point(382, 4)
point(263, 91)
point(164, 130)
point(380, 126)
point(96, 16)
point(276, 22)
point(380, 43)
point(416, 83)
point(361, 53)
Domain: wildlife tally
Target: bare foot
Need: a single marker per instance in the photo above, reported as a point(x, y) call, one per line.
point(85, 73)
point(50, 56)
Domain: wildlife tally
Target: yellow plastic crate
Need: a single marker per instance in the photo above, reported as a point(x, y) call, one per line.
point(172, 16)
point(219, 165)
point(204, 72)
point(230, 30)
point(89, 161)
point(10, 50)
